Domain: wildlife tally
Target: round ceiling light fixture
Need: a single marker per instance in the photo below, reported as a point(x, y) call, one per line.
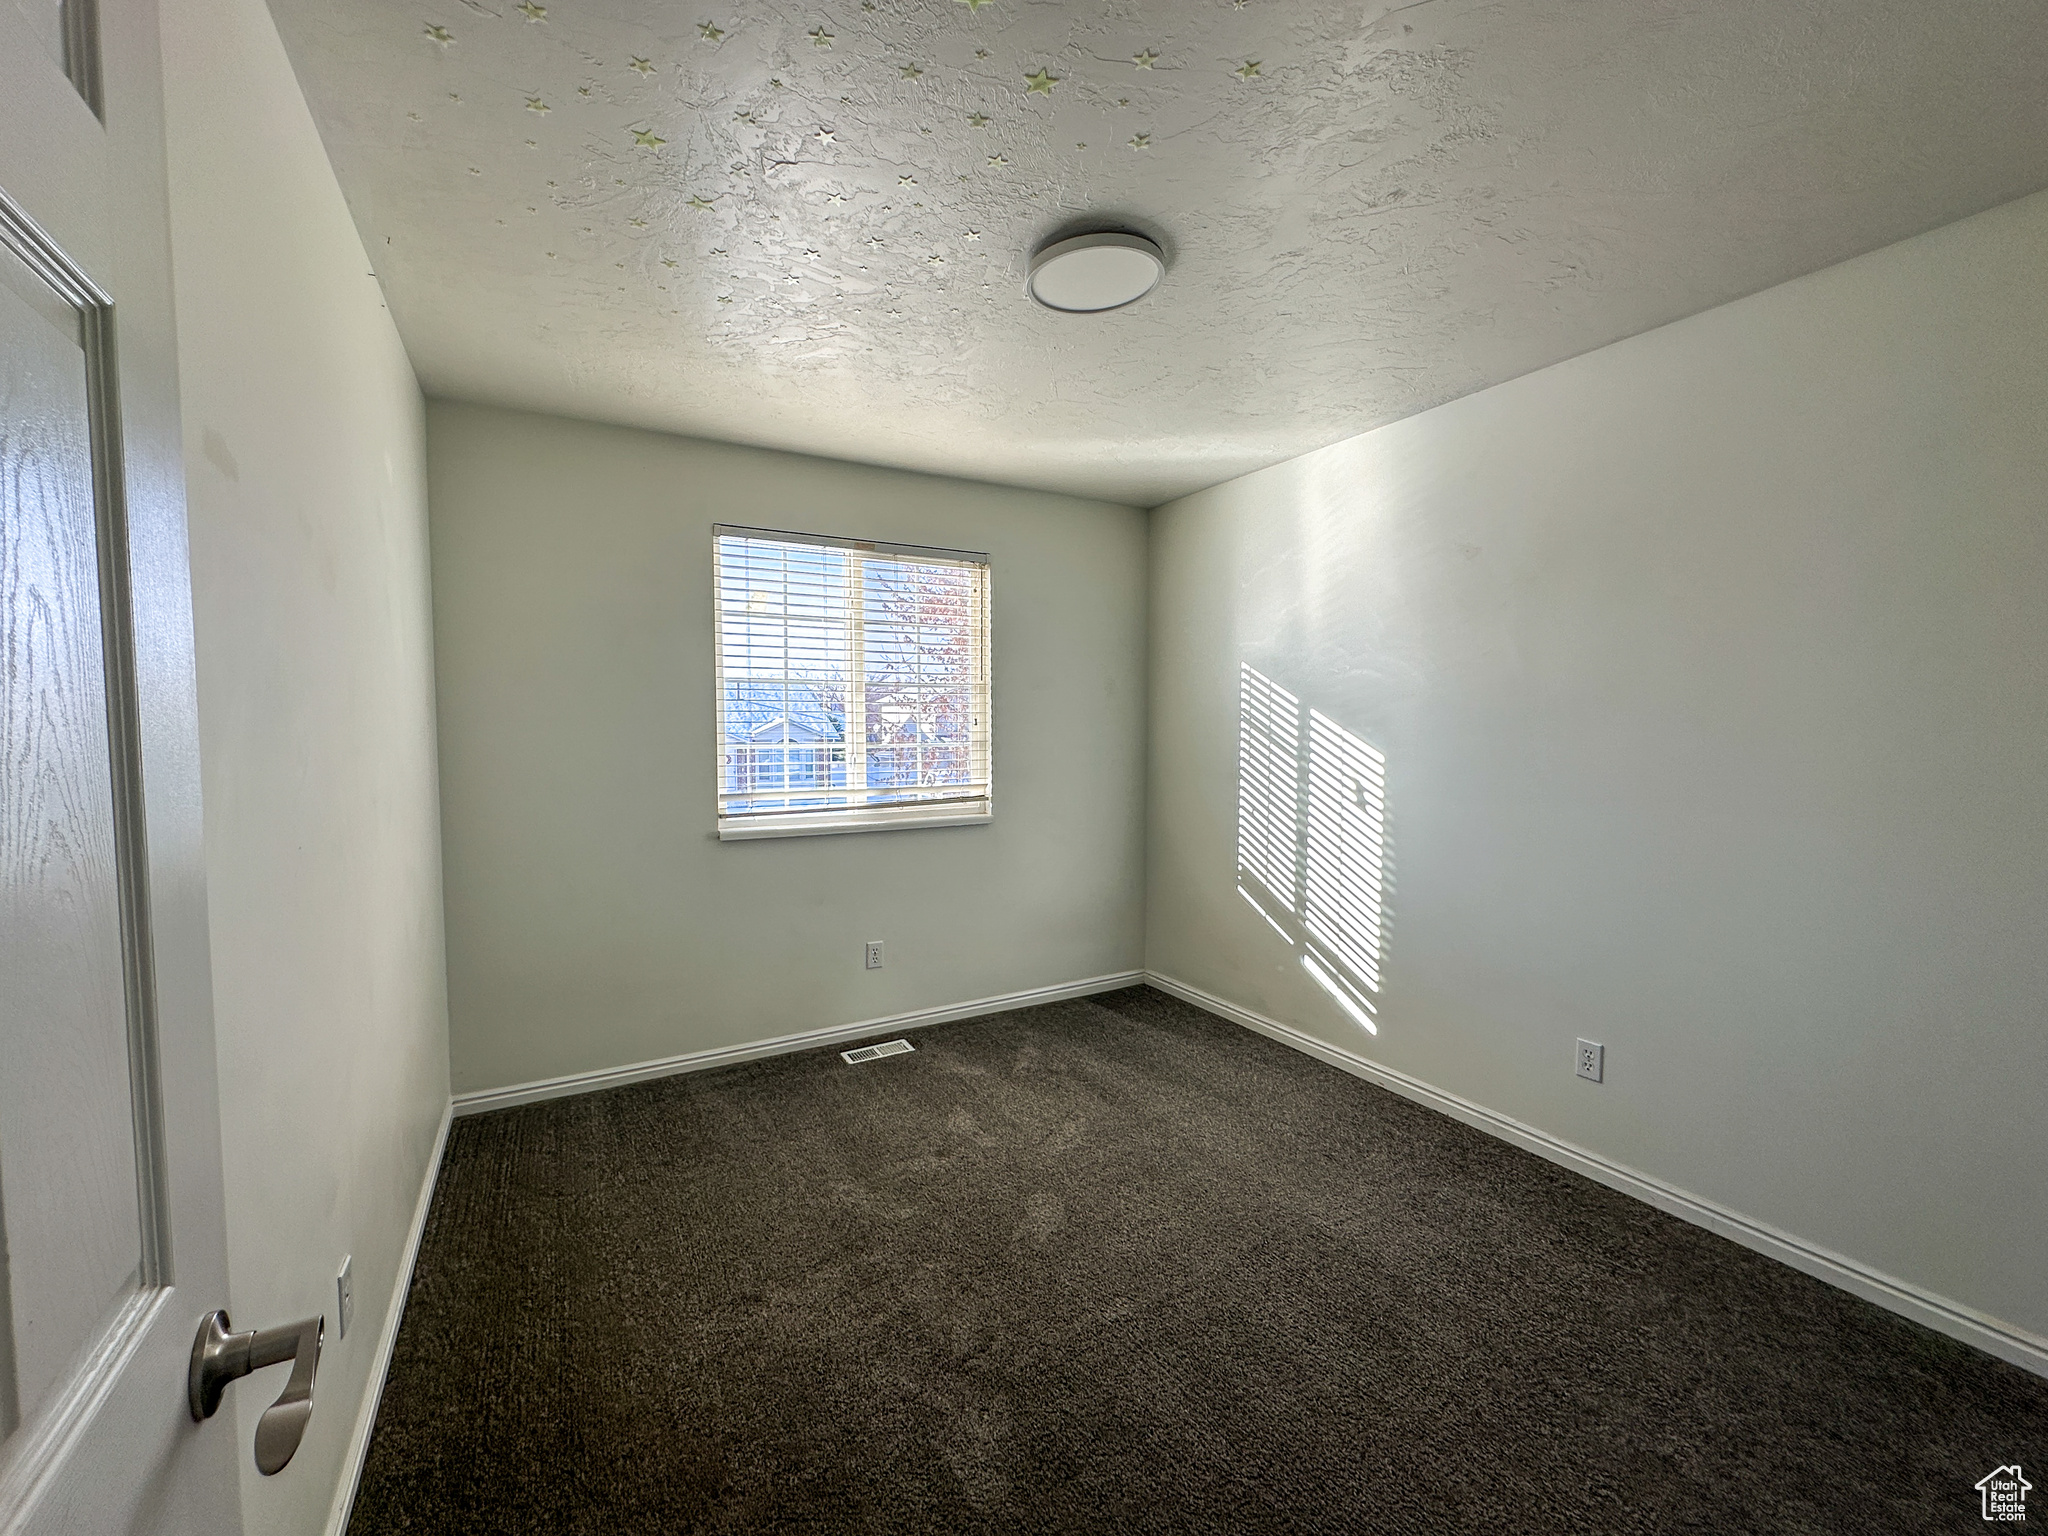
point(1090, 273)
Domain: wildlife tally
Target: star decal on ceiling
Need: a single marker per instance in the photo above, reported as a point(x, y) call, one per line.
point(1249, 68)
point(533, 12)
point(906, 181)
point(1146, 59)
point(820, 38)
point(826, 136)
point(439, 34)
point(711, 32)
point(1040, 84)
point(972, 234)
point(981, 53)
point(910, 71)
point(535, 104)
point(998, 159)
point(973, 5)
point(647, 138)
point(700, 203)
point(637, 223)
point(1141, 141)
point(642, 65)
point(670, 262)
point(977, 119)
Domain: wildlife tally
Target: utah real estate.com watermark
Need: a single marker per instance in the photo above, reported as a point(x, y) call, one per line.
point(2005, 1495)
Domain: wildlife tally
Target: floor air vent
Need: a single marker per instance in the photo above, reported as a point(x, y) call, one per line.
point(875, 1052)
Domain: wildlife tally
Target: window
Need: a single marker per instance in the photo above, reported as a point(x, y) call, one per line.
point(853, 685)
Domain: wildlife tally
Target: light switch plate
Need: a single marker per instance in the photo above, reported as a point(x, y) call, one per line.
point(345, 1293)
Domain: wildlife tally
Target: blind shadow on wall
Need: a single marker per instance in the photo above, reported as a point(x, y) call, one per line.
point(1312, 854)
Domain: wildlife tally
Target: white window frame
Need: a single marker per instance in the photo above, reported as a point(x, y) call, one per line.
point(973, 807)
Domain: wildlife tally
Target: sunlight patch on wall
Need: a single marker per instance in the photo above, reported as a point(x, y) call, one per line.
point(1268, 809)
point(1347, 834)
point(1311, 839)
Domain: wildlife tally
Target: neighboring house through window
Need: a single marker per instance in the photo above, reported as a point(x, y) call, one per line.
point(853, 685)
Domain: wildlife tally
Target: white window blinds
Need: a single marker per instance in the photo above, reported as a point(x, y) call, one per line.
point(853, 684)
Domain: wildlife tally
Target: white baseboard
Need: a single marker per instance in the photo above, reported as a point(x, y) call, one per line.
point(387, 1339)
point(479, 1100)
point(2026, 1350)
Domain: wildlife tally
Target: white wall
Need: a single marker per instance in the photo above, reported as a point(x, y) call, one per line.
point(1709, 672)
point(304, 453)
point(593, 918)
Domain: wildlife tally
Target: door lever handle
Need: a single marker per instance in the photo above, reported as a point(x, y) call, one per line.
point(219, 1357)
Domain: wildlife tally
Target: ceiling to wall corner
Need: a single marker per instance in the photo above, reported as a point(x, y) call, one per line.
point(806, 226)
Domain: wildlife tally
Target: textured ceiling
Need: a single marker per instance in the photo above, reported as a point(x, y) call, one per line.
point(807, 225)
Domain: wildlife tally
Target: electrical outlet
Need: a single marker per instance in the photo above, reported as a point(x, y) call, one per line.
point(1592, 1060)
point(345, 1293)
point(874, 954)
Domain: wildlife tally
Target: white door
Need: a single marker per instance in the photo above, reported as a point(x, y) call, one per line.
point(111, 1238)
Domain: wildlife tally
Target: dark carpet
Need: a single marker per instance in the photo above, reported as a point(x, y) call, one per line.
point(1117, 1265)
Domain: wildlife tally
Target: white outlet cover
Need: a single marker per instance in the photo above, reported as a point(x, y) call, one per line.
point(1590, 1061)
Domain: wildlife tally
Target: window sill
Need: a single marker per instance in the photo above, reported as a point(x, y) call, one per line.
point(734, 829)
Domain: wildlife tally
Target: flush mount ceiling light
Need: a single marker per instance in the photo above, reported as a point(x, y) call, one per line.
point(1090, 273)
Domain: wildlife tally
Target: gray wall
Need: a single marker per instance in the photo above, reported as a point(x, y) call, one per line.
point(304, 453)
point(593, 918)
point(1709, 672)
